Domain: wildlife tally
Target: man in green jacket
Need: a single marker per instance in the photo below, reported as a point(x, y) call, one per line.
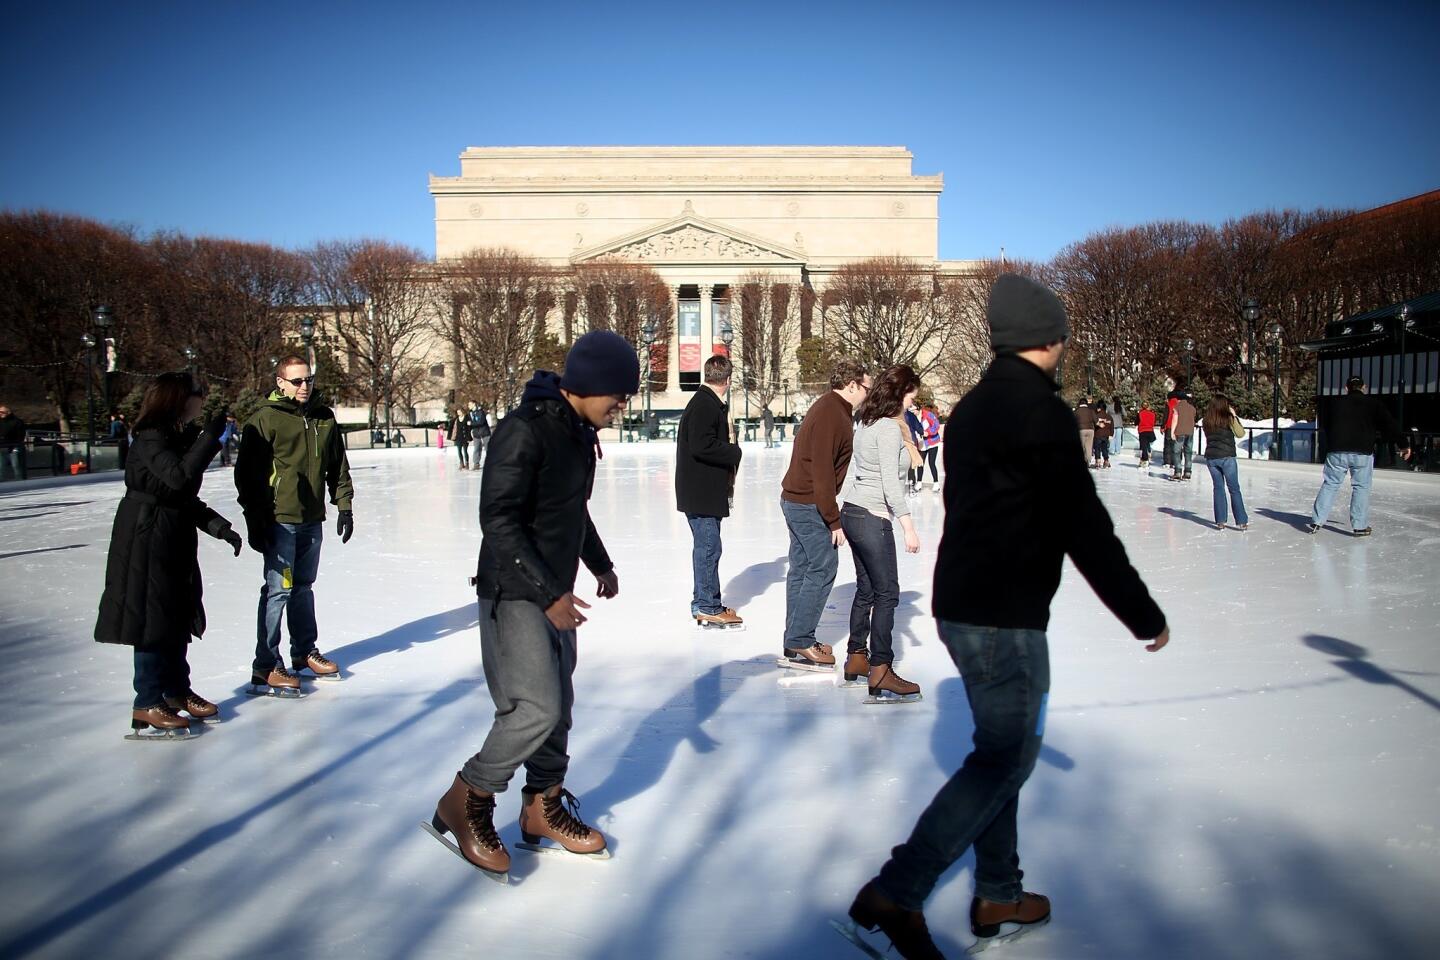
point(291, 452)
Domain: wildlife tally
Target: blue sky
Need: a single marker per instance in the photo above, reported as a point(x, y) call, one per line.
point(294, 122)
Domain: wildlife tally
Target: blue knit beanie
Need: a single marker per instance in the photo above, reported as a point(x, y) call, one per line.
point(601, 363)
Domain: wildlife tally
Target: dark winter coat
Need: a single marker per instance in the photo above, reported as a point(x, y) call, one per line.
point(459, 431)
point(705, 459)
point(533, 500)
point(12, 432)
point(1018, 499)
point(152, 597)
point(1356, 421)
point(480, 425)
point(289, 456)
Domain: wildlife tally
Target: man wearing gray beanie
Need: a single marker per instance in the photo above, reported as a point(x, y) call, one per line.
point(1018, 499)
point(537, 531)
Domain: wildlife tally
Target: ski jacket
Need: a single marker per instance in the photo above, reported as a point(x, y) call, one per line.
point(705, 459)
point(480, 425)
point(289, 456)
point(1220, 444)
point(1019, 498)
point(534, 515)
point(152, 596)
point(930, 424)
point(1145, 422)
point(1356, 420)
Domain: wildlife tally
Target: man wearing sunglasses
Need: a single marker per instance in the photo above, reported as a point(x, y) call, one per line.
point(291, 454)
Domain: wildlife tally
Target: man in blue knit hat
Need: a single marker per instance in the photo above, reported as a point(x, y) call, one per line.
point(537, 530)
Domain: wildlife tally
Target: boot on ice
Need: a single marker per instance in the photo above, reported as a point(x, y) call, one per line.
point(555, 815)
point(993, 922)
point(320, 665)
point(887, 686)
point(469, 815)
point(906, 929)
point(157, 723)
point(857, 667)
point(816, 657)
point(726, 619)
point(197, 706)
point(278, 682)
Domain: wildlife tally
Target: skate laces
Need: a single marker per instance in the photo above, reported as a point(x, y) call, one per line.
point(478, 814)
point(320, 658)
point(562, 812)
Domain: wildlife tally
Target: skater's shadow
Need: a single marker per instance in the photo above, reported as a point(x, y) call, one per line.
point(47, 504)
point(407, 635)
point(30, 516)
point(1190, 515)
point(1298, 521)
point(753, 582)
point(652, 747)
point(1352, 659)
point(26, 553)
point(43, 931)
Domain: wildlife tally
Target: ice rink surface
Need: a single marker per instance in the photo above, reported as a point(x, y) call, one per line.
point(1266, 787)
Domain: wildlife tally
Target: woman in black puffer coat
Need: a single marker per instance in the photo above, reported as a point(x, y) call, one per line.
point(152, 598)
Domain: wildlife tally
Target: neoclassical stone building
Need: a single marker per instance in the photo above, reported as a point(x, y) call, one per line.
point(702, 217)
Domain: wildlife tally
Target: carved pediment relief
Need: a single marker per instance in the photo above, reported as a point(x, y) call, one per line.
point(692, 240)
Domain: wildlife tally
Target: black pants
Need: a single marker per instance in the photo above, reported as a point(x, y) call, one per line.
point(877, 583)
point(930, 456)
point(1146, 438)
point(160, 673)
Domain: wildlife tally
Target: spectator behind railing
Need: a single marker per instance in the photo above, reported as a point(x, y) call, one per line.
point(12, 445)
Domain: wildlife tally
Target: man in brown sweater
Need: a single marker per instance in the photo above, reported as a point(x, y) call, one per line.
point(1182, 430)
point(817, 472)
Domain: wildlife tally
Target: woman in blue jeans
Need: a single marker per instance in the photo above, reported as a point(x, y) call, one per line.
point(1222, 428)
point(874, 492)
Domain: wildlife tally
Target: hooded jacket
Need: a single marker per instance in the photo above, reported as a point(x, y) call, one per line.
point(289, 456)
point(534, 513)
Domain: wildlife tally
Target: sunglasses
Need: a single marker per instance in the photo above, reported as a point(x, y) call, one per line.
point(298, 381)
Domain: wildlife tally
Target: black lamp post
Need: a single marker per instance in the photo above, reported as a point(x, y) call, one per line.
point(1404, 322)
point(1089, 374)
point(307, 336)
point(1251, 313)
point(1274, 334)
point(385, 371)
point(190, 356)
point(647, 337)
point(89, 340)
point(727, 337)
point(785, 385)
point(1188, 346)
point(103, 321)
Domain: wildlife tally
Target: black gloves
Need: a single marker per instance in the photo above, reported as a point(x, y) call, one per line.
point(257, 533)
point(345, 526)
point(216, 425)
point(232, 538)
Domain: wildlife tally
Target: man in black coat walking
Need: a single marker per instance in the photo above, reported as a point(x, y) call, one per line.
point(537, 530)
point(705, 465)
point(1017, 502)
point(12, 445)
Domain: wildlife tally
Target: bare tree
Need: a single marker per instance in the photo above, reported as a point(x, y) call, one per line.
point(886, 311)
point(767, 333)
point(622, 296)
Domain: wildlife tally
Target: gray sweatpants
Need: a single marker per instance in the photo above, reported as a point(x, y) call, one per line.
point(528, 668)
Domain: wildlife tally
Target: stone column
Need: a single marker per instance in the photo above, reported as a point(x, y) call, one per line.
point(707, 322)
point(672, 376)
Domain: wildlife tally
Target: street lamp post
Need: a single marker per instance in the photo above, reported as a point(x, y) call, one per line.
point(1188, 346)
point(1404, 322)
point(307, 336)
point(190, 359)
point(1251, 313)
point(727, 337)
point(89, 341)
point(1089, 373)
point(785, 385)
point(1274, 337)
point(385, 370)
point(102, 325)
point(647, 337)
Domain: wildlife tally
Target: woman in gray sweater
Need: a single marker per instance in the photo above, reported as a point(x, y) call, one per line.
point(874, 493)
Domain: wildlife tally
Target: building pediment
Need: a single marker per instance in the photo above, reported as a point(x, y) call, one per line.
point(691, 239)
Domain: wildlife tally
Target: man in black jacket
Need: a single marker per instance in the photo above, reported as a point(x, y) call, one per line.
point(1355, 422)
point(1018, 499)
point(12, 445)
point(705, 465)
point(537, 530)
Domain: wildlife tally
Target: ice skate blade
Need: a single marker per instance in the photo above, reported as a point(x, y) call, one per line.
point(809, 667)
point(884, 700)
point(501, 878)
point(851, 931)
point(322, 677)
point(562, 852)
point(1009, 933)
point(154, 733)
point(719, 628)
point(859, 682)
point(279, 693)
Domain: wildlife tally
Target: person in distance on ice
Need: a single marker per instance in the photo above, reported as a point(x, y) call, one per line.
point(291, 453)
point(152, 598)
point(1356, 421)
point(705, 465)
point(873, 494)
point(536, 531)
point(818, 463)
point(1018, 499)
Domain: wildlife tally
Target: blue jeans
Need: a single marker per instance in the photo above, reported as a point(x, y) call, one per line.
point(1181, 452)
point(291, 565)
point(877, 583)
point(161, 673)
point(1360, 467)
point(1007, 680)
point(705, 559)
point(1225, 474)
point(12, 465)
point(814, 561)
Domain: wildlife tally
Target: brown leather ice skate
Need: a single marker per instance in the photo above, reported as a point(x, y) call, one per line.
point(193, 704)
point(906, 928)
point(279, 680)
point(887, 686)
point(555, 815)
point(469, 814)
point(817, 656)
point(320, 665)
point(726, 619)
point(999, 922)
point(857, 665)
point(160, 717)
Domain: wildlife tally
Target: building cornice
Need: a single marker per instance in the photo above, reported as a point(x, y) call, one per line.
point(476, 186)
